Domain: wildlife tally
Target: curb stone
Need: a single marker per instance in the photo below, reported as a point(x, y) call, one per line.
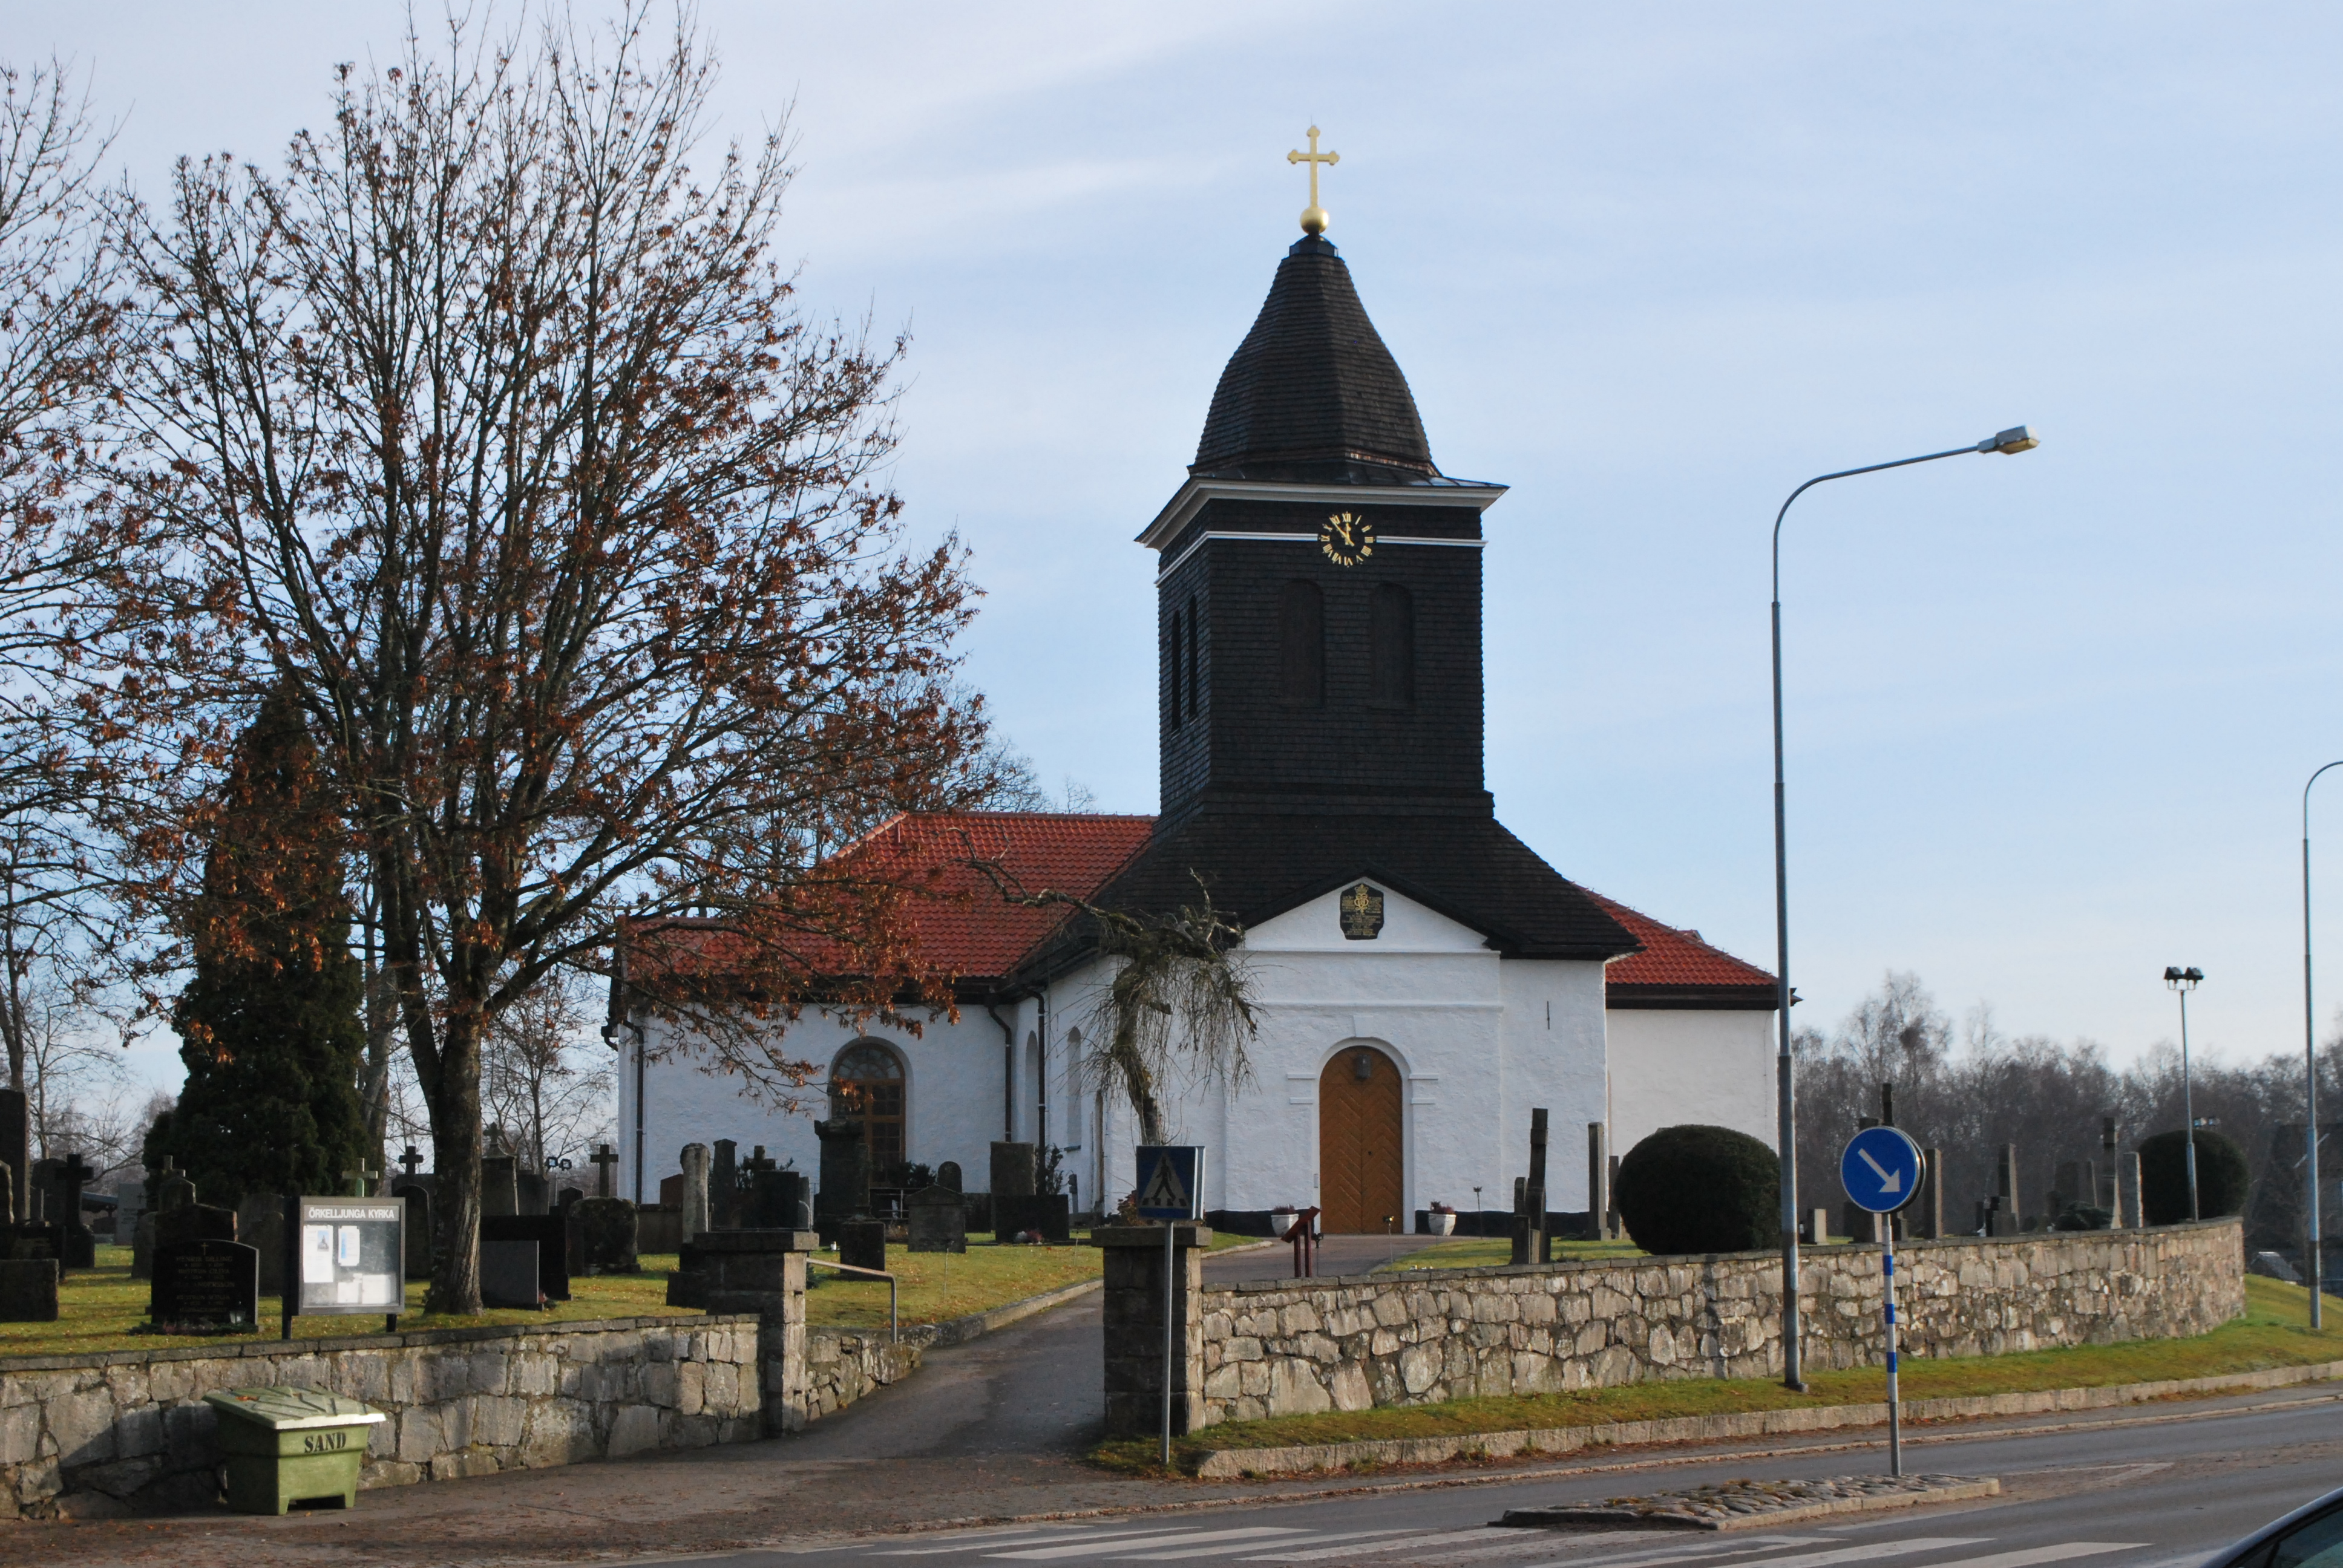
point(1243, 1464)
point(1745, 1504)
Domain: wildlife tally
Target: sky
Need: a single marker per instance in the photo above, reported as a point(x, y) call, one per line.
point(2048, 717)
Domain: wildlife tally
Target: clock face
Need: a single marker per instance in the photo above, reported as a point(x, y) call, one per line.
point(1347, 538)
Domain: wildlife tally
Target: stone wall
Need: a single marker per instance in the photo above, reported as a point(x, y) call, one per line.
point(1287, 1347)
point(107, 1434)
point(841, 1368)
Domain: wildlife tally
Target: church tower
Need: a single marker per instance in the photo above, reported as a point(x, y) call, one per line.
point(1319, 591)
point(1319, 694)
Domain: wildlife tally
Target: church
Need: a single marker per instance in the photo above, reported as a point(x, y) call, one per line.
point(1423, 979)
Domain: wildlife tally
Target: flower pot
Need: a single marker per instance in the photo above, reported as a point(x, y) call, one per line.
point(1441, 1224)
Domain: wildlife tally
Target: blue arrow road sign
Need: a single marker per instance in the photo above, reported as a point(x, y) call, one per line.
point(1881, 1169)
point(1170, 1181)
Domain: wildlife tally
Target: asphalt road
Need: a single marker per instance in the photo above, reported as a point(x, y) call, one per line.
point(2156, 1491)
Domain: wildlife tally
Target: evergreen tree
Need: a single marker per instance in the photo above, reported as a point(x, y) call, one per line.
point(269, 1027)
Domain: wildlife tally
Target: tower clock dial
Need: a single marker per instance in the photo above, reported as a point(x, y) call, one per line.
point(1347, 538)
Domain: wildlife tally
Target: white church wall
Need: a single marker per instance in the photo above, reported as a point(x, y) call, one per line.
point(1708, 1066)
point(952, 1099)
point(1554, 1058)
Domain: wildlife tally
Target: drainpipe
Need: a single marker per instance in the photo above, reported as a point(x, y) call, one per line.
point(1008, 1075)
point(1042, 1075)
point(619, 1021)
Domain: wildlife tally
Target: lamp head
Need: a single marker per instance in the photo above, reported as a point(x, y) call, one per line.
point(2010, 442)
point(2171, 974)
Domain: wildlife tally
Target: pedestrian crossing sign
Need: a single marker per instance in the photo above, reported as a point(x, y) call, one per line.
point(1170, 1181)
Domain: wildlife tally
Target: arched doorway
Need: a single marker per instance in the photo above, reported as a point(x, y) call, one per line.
point(1361, 1172)
point(866, 1085)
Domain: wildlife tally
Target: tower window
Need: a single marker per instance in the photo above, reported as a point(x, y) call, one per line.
point(1188, 660)
point(1172, 662)
point(1302, 644)
point(1390, 655)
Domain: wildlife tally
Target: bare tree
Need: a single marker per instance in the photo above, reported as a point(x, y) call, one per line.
point(489, 425)
point(546, 1073)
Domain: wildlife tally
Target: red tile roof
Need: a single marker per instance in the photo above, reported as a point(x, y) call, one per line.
point(1677, 965)
point(964, 926)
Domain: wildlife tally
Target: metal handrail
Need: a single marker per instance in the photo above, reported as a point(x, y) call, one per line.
point(894, 1324)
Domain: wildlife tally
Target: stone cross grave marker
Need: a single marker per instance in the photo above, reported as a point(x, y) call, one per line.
point(359, 1183)
point(411, 1162)
point(174, 1191)
point(16, 1151)
point(78, 1243)
point(603, 1158)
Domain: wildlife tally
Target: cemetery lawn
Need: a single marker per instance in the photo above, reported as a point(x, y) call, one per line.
point(1496, 1251)
point(2270, 1334)
point(98, 1309)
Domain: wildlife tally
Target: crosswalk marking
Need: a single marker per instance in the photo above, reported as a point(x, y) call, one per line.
point(1228, 1551)
point(2031, 1556)
point(992, 1538)
point(1454, 1535)
point(1703, 1551)
point(1182, 1538)
point(1870, 1551)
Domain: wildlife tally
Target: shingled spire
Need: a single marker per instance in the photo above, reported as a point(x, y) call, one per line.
point(1311, 394)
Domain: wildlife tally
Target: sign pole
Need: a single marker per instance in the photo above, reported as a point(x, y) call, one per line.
point(1894, 1405)
point(1170, 1228)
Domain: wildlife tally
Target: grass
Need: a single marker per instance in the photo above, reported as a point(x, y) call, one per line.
point(2270, 1334)
point(1495, 1251)
point(98, 1309)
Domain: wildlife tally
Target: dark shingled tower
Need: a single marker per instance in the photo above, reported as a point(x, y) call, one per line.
point(1320, 705)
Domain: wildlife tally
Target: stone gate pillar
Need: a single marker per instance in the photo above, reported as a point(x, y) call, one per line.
point(1133, 1312)
point(764, 1273)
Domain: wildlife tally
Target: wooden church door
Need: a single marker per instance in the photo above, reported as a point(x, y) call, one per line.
point(1360, 1170)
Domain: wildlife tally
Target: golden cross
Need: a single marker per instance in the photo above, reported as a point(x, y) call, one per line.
point(1313, 217)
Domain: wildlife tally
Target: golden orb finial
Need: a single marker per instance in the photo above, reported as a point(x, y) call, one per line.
point(1315, 218)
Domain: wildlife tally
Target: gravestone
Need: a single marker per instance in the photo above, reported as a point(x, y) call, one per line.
point(47, 1205)
point(417, 1264)
point(605, 1233)
point(16, 1151)
point(777, 1200)
point(73, 1172)
point(1928, 1219)
point(694, 1159)
point(2006, 1189)
point(204, 1287)
point(34, 1239)
point(411, 1162)
point(129, 1208)
point(531, 1191)
point(549, 1234)
point(570, 1198)
point(1529, 1199)
point(1013, 1169)
point(938, 1221)
point(28, 1291)
point(947, 1175)
point(670, 1191)
point(260, 1222)
point(508, 1273)
point(605, 1159)
point(141, 1249)
point(1047, 1215)
point(862, 1243)
point(499, 1185)
point(845, 1192)
point(724, 1183)
point(173, 1189)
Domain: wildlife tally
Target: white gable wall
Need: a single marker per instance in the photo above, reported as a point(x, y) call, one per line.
point(1674, 1067)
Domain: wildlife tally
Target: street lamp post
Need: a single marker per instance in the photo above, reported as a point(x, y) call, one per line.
point(2310, 1069)
point(2183, 981)
point(2012, 441)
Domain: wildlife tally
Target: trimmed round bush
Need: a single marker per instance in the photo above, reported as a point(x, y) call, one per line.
point(2222, 1176)
point(1700, 1189)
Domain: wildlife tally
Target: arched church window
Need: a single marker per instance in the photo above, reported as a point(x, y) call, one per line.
point(1302, 643)
point(1391, 651)
point(866, 1085)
